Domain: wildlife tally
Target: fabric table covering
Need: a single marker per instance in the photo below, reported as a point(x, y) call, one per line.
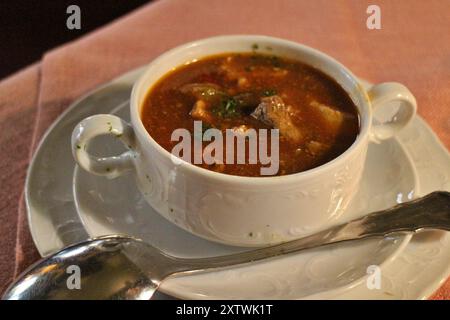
point(412, 47)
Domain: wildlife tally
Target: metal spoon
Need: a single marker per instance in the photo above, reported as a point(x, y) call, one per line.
point(121, 267)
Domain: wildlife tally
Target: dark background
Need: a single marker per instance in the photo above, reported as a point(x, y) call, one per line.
point(28, 28)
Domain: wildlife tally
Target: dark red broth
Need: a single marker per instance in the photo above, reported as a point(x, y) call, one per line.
point(317, 119)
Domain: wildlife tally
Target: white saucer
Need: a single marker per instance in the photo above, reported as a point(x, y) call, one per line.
point(115, 206)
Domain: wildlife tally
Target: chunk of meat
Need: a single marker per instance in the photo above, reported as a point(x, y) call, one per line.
point(200, 112)
point(207, 95)
point(207, 92)
point(247, 101)
point(335, 119)
point(273, 112)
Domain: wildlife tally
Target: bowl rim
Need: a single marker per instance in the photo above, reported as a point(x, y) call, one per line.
point(365, 119)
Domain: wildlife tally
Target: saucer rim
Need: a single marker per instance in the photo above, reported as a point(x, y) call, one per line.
point(425, 292)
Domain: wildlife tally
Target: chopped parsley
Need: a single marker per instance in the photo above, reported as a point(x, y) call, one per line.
point(227, 108)
point(269, 92)
point(275, 61)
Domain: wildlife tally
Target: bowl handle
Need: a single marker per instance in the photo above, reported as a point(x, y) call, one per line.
point(383, 94)
point(101, 124)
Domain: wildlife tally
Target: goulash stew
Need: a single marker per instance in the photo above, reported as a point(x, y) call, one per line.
point(316, 119)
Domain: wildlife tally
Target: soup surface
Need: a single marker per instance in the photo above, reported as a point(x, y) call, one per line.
point(316, 118)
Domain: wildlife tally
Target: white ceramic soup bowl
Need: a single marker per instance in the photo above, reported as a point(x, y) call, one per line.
point(243, 211)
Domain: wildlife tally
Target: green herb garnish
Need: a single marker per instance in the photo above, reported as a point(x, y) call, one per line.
point(275, 61)
point(230, 105)
point(269, 92)
point(227, 108)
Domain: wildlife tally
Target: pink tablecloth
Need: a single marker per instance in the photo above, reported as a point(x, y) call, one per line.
point(413, 47)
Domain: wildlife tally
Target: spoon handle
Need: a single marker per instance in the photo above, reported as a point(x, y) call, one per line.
point(429, 212)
